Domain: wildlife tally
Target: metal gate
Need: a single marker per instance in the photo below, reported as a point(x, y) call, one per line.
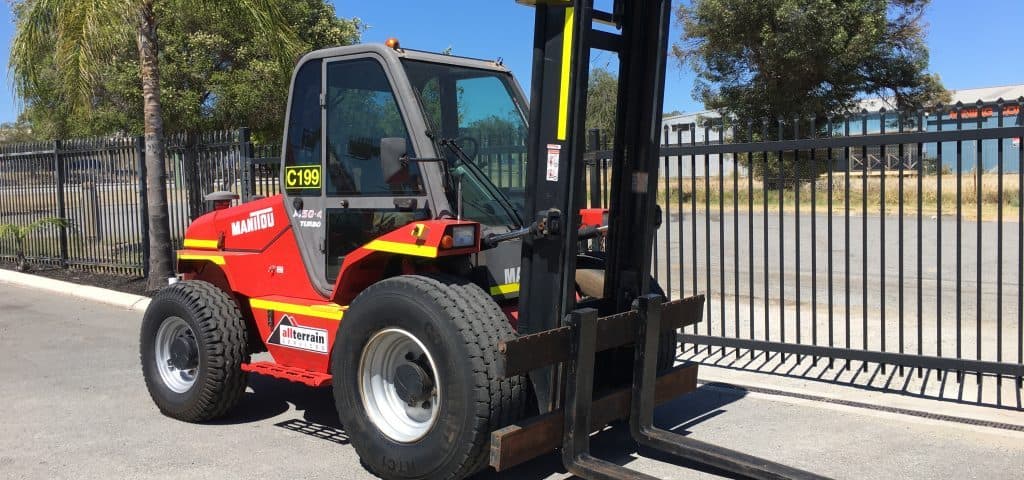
point(880, 239)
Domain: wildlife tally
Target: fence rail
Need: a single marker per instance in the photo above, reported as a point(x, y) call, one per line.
point(99, 185)
point(804, 250)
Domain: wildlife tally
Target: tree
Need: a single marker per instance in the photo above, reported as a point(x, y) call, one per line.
point(766, 59)
point(215, 75)
point(13, 132)
point(602, 92)
point(78, 36)
point(497, 131)
point(20, 234)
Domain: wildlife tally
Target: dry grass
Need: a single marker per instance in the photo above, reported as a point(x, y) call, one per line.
point(738, 197)
point(23, 200)
point(18, 200)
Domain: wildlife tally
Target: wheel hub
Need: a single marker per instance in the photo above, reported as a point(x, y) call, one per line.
point(412, 384)
point(184, 353)
point(399, 385)
point(176, 354)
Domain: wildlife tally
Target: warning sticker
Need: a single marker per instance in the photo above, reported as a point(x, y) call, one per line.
point(554, 162)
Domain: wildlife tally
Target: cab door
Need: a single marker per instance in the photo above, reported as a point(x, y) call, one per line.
point(361, 194)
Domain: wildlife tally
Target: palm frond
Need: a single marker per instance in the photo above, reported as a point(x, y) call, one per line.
point(35, 31)
point(49, 222)
point(77, 34)
point(10, 230)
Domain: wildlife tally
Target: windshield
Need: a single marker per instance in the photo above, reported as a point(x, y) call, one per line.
point(480, 113)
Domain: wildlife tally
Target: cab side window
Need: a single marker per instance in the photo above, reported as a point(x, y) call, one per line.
point(362, 110)
point(304, 144)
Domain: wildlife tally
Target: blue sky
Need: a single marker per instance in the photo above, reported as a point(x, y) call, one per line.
point(972, 43)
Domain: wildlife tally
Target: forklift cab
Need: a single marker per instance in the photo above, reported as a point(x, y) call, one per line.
point(379, 137)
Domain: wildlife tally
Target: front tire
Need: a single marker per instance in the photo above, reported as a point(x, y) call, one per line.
point(422, 351)
point(192, 345)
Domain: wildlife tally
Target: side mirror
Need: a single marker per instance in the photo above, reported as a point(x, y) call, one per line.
point(392, 152)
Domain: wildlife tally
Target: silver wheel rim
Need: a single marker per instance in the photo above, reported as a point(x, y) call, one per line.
point(179, 381)
point(384, 353)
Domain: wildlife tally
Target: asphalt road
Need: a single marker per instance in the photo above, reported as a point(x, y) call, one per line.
point(75, 407)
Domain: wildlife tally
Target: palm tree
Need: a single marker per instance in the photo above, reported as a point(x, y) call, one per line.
point(81, 33)
point(20, 234)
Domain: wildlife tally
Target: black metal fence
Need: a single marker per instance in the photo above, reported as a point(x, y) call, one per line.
point(97, 184)
point(895, 239)
point(888, 238)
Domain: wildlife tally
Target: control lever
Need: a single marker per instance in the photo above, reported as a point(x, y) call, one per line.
point(548, 223)
point(590, 232)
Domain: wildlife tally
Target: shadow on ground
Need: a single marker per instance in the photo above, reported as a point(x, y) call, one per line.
point(615, 445)
point(267, 398)
point(950, 386)
point(315, 415)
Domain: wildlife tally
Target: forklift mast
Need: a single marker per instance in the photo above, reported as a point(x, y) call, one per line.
point(564, 38)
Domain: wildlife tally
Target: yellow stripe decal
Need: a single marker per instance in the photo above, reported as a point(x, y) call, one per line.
point(330, 312)
point(403, 248)
point(506, 289)
point(197, 243)
point(216, 259)
point(563, 96)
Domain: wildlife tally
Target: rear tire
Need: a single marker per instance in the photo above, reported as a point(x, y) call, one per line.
point(456, 327)
point(192, 345)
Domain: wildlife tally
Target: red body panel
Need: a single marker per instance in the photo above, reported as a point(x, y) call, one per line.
point(256, 256)
point(297, 335)
point(365, 266)
point(261, 256)
point(594, 217)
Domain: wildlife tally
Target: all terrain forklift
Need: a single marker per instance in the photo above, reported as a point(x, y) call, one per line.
point(454, 311)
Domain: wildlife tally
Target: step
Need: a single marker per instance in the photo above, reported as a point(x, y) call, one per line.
point(292, 374)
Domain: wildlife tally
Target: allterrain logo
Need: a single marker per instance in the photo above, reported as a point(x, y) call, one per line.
point(258, 220)
point(292, 335)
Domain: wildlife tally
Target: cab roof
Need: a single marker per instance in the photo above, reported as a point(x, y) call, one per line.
point(399, 54)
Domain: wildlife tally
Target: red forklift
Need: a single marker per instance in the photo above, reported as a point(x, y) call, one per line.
point(456, 313)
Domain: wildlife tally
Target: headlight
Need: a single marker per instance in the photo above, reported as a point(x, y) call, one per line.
point(463, 236)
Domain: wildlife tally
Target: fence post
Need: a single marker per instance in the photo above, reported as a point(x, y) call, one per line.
point(594, 145)
point(140, 158)
point(246, 163)
point(58, 166)
point(193, 176)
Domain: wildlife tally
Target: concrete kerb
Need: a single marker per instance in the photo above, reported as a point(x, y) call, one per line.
point(110, 297)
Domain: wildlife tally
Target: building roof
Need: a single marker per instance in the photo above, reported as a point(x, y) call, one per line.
point(967, 96)
point(988, 94)
point(691, 117)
